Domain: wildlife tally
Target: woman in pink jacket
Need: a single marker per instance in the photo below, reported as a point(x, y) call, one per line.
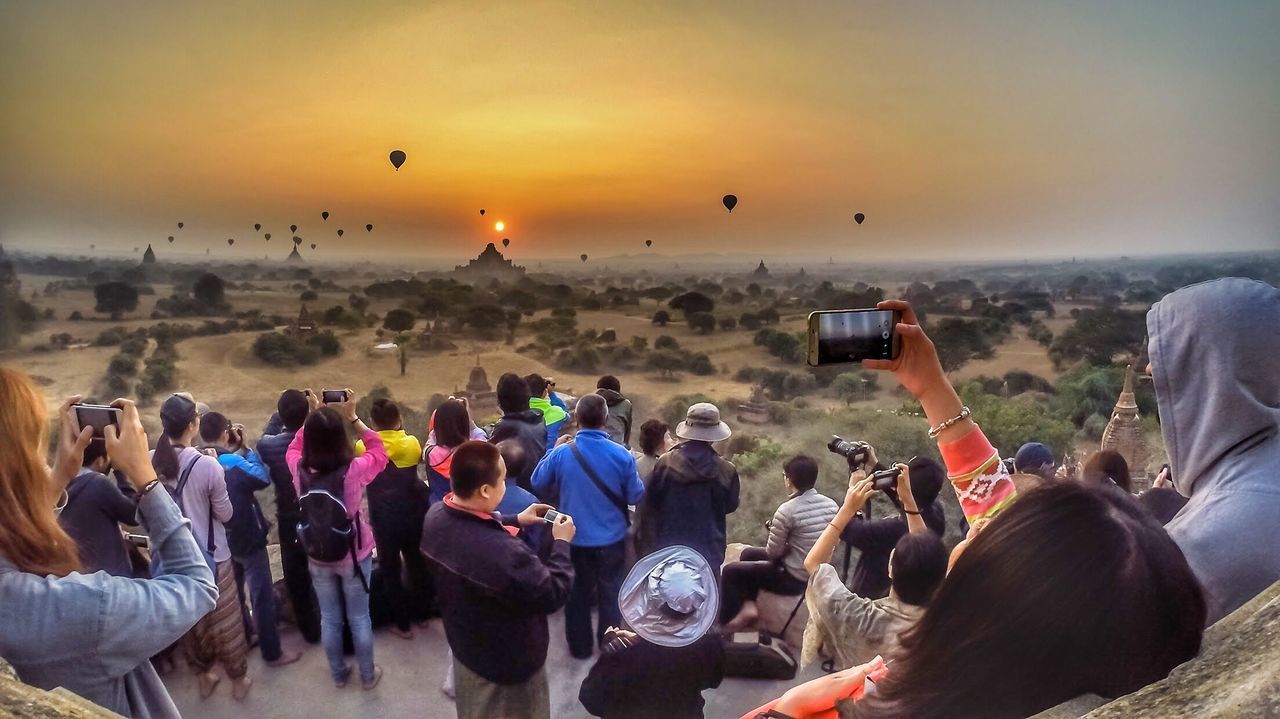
point(321, 459)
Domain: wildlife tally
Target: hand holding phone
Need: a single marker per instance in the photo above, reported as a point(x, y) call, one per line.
point(551, 517)
point(98, 417)
point(333, 396)
point(841, 336)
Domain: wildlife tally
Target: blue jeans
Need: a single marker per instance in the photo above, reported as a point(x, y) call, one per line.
point(255, 570)
point(335, 586)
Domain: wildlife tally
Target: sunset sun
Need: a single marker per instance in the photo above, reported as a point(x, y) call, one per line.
point(499, 226)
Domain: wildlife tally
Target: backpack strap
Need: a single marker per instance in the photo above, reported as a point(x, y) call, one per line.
point(182, 484)
point(600, 485)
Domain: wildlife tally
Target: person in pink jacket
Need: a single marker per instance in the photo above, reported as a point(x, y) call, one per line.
point(321, 458)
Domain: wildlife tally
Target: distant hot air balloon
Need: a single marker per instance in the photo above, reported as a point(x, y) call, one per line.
point(293, 228)
point(648, 243)
point(482, 212)
point(324, 215)
point(368, 228)
point(858, 218)
point(506, 242)
point(257, 226)
point(170, 239)
point(179, 225)
point(730, 202)
point(93, 247)
point(313, 245)
point(339, 232)
point(297, 240)
point(268, 236)
point(583, 258)
point(397, 159)
point(230, 241)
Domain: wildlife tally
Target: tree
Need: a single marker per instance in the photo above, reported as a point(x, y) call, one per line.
point(666, 342)
point(309, 296)
point(702, 322)
point(1097, 335)
point(854, 386)
point(749, 321)
point(399, 320)
point(115, 298)
point(691, 302)
point(667, 362)
point(728, 324)
point(210, 290)
point(661, 318)
point(768, 316)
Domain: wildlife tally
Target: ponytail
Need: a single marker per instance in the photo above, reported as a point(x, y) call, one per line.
point(165, 458)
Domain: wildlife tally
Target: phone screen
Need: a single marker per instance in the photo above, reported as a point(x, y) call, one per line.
point(333, 396)
point(840, 336)
point(551, 517)
point(97, 416)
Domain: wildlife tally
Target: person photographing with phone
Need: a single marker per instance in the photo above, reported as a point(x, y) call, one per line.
point(494, 592)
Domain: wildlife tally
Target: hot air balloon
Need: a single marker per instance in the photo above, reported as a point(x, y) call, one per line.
point(313, 245)
point(506, 242)
point(648, 243)
point(324, 215)
point(397, 159)
point(93, 247)
point(230, 241)
point(179, 225)
point(297, 240)
point(583, 258)
point(170, 239)
point(339, 232)
point(482, 212)
point(257, 226)
point(858, 218)
point(368, 228)
point(135, 249)
point(730, 202)
point(293, 228)
point(268, 236)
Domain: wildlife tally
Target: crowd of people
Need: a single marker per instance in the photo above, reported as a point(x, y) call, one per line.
point(1063, 584)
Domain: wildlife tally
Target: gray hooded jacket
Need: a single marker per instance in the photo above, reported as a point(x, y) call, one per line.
point(1215, 357)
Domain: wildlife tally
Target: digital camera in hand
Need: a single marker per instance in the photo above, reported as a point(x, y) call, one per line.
point(886, 480)
point(852, 450)
point(551, 517)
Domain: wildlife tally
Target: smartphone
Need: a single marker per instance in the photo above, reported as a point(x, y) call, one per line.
point(840, 336)
point(333, 396)
point(98, 416)
point(138, 540)
point(551, 517)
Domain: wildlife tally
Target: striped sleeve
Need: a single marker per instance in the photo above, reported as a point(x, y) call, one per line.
point(981, 482)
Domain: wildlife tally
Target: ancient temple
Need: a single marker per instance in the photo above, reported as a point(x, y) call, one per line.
point(149, 257)
point(761, 270)
point(756, 409)
point(1125, 435)
point(490, 263)
point(295, 256)
point(479, 393)
point(304, 325)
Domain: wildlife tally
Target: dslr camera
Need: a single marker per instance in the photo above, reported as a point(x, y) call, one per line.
point(854, 452)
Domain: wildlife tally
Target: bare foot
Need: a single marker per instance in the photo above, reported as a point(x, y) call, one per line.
point(377, 677)
point(746, 618)
point(240, 688)
point(402, 633)
point(285, 658)
point(208, 682)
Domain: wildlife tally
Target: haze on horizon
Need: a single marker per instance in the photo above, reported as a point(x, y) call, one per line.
point(960, 129)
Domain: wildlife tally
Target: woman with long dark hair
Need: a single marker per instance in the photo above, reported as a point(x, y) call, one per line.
point(322, 459)
point(1065, 591)
point(451, 425)
point(91, 634)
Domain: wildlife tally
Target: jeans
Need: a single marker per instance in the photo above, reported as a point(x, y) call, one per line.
point(255, 570)
point(399, 538)
point(597, 573)
point(335, 585)
point(297, 578)
point(754, 571)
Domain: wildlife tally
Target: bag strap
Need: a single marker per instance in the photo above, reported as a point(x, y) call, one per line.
point(182, 484)
point(600, 485)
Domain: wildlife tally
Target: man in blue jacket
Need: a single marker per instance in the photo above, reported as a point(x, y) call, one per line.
point(595, 479)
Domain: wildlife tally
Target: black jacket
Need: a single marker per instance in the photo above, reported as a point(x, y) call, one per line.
point(271, 448)
point(646, 680)
point(690, 491)
point(875, 540)
point(494, 593)
point(397, 497)
point(247, 529)
point(618, 423)
point(529, 428)
point(95, 510)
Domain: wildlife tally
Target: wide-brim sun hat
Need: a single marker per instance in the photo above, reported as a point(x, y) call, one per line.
point(670, 598)
point(702, 423)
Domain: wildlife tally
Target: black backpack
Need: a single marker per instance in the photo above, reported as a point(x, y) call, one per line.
point(327, 531)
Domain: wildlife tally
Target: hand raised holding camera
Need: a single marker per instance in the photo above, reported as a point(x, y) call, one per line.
point(127, 446)
point(72, 441)
point(533, 514)
point(564, 528)
point(860, 489)
point(313, 399)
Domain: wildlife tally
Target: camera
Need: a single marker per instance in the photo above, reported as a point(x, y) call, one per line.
point(886, 480)
point(852, 450)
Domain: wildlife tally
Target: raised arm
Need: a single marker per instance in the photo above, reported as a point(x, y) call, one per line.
point(859, 490)
point(979, 479)
point(915, 522)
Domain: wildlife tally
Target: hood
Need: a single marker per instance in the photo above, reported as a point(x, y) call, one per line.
point(403, 449)
point(79, 482)
point(1215, 357)
point(611, 398)
point(528, 416)
point(551, 414)
point(440, 459)
point(696, 462)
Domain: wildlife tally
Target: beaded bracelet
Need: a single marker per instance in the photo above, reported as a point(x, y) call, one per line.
point(964, 414)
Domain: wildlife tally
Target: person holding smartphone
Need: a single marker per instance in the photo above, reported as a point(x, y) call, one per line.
point(94, 512)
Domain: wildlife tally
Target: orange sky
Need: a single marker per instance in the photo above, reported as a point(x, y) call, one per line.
point(959, 129)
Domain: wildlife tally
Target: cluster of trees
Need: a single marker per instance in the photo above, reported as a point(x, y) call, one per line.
point(17, 316)
point(1098, 335)
point(207, 297)
point(959, 340)
point(785, 346)
point(287, 350)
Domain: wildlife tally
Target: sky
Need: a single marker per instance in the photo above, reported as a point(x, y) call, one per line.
point(960, 129)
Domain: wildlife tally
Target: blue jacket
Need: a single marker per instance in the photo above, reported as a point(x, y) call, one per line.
point(245, 475)
point(599, 521)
